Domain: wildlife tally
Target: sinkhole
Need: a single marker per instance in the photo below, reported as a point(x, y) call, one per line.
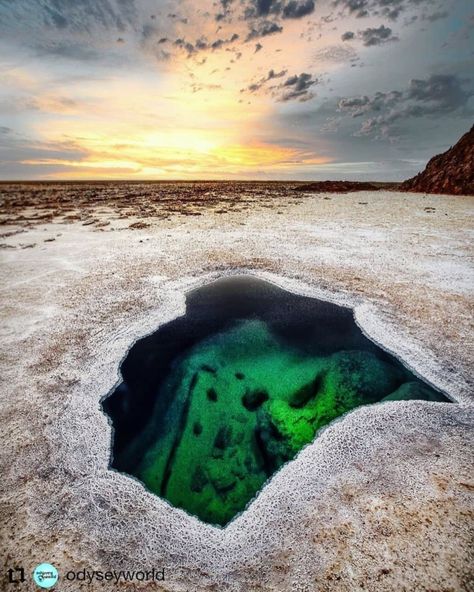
point(214, 402)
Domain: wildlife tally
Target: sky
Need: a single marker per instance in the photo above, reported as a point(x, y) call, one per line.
point(232, 89)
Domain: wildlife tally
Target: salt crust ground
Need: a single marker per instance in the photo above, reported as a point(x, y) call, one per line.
point(382, 500)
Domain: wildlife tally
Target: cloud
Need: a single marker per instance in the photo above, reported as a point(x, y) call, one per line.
point(149, 31)
point(196, 87)
point(272, 75)
point(226, 10)
point(177, 17)
point(336, 54)
point(297, 87)
point(376, 36)
point(78, 15)
point(292, 9)
point(294, 87)
point(390, 9)
point(436, 96)
point(80, 30)
point(263, 29)
point(202, 44)
point(68, 50)
point(348, 35)
point(441, 92)
point(186, 45)
point(263, 8)
point(357, 7)
point(435, 16)
point(295, 9)
point(461, 36)
point(18, 150)
point(371, 36)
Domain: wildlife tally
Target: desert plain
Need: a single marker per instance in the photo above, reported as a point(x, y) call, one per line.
point(383, 499)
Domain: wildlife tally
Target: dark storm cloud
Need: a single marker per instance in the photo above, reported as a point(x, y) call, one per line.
point(264, 7)
point(297, 87)
point(292, 9)
point(203, 44)
point(376, 36)
point(263, 29)
point(380, 101)
point(348, 35)
point(387, 8)
point(225, 10)
point(185, 45)
point(446, 92)
point(297, 10)
point(436, 96)
point(371, 36)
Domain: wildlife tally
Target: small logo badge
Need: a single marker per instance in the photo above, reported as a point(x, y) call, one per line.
point(45, 575)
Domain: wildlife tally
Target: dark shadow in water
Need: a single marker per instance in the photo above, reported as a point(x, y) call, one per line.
point(216, 401)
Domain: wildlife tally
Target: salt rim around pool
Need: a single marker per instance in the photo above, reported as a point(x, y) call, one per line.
point(215, 402)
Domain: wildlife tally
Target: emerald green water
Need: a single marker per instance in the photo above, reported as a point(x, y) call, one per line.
point(238, 403)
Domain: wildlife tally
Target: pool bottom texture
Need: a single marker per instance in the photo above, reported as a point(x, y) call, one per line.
point(244, 404)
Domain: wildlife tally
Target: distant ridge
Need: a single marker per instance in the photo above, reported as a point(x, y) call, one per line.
point(343, 186)
point(451, 172)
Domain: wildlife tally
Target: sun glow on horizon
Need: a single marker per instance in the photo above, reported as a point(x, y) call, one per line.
point(158, 131)
point(189, 117)
point(281, 89)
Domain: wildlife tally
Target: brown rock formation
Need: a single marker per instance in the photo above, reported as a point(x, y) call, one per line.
point(450, 173)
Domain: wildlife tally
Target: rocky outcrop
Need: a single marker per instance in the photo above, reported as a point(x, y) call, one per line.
point(450, 173)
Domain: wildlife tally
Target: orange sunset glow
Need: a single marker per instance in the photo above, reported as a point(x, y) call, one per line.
point(256, 89)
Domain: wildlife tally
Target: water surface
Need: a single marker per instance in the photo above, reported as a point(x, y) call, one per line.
point(216, 401)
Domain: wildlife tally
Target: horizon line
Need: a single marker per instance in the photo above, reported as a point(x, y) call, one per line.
point(197, 180)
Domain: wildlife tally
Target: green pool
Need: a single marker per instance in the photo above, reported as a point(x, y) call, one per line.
point(237, 403)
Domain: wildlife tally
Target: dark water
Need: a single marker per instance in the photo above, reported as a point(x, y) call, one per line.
point(214, 402)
